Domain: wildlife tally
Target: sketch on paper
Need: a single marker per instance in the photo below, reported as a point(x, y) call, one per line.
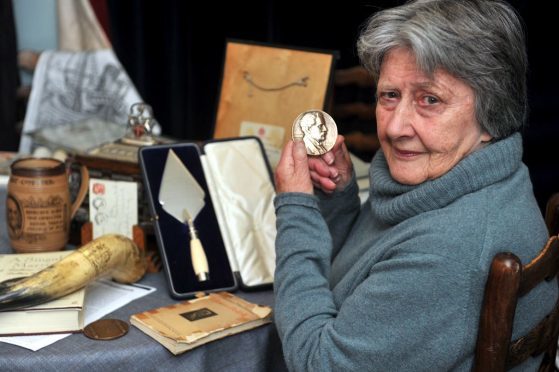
point(70, 87)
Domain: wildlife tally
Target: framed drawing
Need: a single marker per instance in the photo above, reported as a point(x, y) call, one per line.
point(264, 88)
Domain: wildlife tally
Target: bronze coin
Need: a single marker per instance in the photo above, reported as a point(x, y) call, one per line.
point(106, 329)
point(317, 129)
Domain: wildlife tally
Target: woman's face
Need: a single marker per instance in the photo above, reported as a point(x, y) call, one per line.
point(425, 125)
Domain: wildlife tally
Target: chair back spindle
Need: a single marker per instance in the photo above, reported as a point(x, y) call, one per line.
point(509, 280)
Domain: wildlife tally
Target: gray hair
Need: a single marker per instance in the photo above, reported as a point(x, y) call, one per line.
point(480, 42)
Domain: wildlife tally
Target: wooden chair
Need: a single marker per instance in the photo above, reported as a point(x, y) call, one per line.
point(552, 214)
point(509, 280)
point(358, 77)
point(353, 108)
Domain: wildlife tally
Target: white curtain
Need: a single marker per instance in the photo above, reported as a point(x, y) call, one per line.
point(78, 27)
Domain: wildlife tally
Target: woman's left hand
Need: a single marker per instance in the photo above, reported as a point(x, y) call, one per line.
point(298, 173)
point(333, 170)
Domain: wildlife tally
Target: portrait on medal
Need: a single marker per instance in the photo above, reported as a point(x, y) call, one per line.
point(317, 130)
point(314, 130)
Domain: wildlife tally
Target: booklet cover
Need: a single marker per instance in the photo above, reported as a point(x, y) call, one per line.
point(186, 325)
point(59, 316)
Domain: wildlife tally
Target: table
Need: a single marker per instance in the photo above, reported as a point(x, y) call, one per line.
point(255, 350)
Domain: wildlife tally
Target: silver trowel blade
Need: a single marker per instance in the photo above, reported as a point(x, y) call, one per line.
point(180, 195)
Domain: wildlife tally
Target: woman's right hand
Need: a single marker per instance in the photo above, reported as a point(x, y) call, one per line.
point(292, 172)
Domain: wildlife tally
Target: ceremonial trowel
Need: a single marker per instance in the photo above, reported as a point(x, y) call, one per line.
point(182, 197)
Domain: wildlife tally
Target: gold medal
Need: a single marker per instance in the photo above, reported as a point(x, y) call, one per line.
point(317, 129)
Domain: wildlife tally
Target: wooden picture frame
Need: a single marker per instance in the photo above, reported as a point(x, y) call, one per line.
point(265, 87)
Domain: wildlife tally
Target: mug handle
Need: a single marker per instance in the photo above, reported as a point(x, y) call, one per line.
point(84, 188)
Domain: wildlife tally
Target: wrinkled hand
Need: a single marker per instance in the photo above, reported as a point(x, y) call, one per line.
point(333, 170)
point(296, 172)
point(292, 173)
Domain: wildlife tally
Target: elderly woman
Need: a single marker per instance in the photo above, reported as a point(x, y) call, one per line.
point(397, 283)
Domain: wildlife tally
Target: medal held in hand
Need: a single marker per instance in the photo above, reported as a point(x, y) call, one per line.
point(317, 129)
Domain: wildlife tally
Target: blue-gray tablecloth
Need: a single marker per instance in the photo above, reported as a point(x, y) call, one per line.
point(255, 350)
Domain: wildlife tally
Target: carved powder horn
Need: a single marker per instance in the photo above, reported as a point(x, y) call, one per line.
point(110, 255)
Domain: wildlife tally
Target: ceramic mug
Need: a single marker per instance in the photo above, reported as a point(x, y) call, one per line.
point(38, 206)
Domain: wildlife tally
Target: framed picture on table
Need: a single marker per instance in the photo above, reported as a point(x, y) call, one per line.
point(265, 87)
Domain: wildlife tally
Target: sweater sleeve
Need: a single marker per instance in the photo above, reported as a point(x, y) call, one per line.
point(340, 211)
point(394, 319)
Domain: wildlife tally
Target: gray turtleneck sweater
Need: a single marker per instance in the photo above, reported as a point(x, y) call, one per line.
point(397, 283)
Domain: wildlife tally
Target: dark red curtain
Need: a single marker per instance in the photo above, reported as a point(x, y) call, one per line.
point(9, 78)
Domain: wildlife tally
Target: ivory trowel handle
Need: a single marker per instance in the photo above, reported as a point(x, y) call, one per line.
point(199, 261)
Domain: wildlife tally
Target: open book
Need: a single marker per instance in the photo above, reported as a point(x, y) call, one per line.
point(186, 325)
point(59, 316)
